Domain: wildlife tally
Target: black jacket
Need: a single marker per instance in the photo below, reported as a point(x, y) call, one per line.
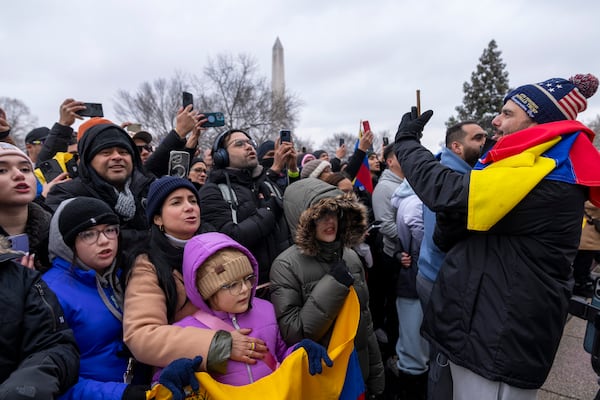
point(261, 227)
point(500, 301)
point(38, 353)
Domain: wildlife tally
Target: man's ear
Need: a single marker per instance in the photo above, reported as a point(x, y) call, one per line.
point(456, 148)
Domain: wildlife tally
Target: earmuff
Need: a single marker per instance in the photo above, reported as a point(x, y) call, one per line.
point(219, 152)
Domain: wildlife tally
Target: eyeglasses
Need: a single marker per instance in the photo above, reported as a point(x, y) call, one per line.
point(91, 236)
point(242, 143)
point(199, 170)
point(146, 147)
point(235, 288)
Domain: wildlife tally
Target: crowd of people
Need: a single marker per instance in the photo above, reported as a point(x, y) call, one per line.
point(117, 274)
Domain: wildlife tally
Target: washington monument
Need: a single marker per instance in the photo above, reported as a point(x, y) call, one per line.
point(278, 73)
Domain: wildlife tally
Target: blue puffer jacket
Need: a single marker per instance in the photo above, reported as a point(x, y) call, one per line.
point(99, 334)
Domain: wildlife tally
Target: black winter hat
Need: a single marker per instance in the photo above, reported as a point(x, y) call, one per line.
point(83, 213)
point(264, 148)
point(163, 187)
point(37, 134)
point(108, 136)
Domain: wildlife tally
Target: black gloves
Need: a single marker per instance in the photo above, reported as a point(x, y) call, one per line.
point(135, 392)
point(179, 374)
point(315, 353)
point(411, 126)
point(340, 272)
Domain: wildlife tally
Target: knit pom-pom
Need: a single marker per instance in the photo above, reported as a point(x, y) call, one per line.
point(586, 83)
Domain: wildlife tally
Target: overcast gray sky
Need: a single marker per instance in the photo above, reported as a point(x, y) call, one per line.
point(346, 59)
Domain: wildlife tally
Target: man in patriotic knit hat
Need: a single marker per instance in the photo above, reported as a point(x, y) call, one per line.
point(510, 229)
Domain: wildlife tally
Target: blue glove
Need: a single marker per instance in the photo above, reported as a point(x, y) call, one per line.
point(411, 126)
point(316, 353)
point(179, 374)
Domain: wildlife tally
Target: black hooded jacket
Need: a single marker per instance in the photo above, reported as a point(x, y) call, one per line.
point(38, 353)
point(89, 184)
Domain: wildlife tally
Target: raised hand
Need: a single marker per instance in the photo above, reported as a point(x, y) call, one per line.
point(411, 126)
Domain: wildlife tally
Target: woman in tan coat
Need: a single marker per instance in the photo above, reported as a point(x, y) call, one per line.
point(155, 295)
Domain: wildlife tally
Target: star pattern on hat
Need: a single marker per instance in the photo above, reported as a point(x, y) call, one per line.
point(566, 97)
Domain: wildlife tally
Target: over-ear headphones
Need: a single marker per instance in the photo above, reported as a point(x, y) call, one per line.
point(219, 152)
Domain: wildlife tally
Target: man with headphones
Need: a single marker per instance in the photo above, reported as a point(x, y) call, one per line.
point(242, 199)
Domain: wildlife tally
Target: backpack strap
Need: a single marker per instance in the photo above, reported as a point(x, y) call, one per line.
point(230, 197)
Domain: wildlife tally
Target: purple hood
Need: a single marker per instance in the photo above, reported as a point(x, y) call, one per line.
point(197, 250)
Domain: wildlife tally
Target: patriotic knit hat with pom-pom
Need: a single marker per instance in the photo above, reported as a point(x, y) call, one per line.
point(555, 99)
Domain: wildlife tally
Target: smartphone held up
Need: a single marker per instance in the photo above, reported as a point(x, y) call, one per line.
point(91, 110)
point(285, 136)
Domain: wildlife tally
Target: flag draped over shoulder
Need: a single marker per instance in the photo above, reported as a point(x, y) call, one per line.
point(560, 151)
point(292, 380)
point(363, 176)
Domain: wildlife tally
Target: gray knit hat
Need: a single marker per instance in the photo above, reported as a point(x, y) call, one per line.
point(314, 168)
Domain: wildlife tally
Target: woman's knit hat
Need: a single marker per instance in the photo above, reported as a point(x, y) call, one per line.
point(306, 159)
point(160, 189)
point(81, 214)
point(555, 99)
point(7, 149)
point(314, 168)
point(225, 266)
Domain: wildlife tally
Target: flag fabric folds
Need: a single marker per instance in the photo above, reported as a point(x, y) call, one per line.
point(292, 379)
point(363, 176)
point(560, 151)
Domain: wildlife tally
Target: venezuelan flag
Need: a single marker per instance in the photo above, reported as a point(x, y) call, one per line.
point(560, 151)
point(363, 176)
point(291, 381)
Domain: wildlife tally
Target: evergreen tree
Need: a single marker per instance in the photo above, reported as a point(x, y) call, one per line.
point(484, 95)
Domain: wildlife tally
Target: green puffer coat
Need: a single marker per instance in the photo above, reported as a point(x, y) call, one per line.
point(306, 297)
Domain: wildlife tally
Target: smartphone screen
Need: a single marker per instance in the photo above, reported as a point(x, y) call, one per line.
point(50, 169)
point(91, 110)
point(285, 136)
point(187, 99)
point(386, 141)
point(19, 242)
point(341, 142)
point(366, 126)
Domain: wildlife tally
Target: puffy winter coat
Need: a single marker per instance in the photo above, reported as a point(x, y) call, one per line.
point(258, 228)
point(500, 301)
point(38, 353)
point(260, 317)
point(306, 298)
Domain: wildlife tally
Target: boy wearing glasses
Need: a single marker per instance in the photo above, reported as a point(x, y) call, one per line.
point(220, 280)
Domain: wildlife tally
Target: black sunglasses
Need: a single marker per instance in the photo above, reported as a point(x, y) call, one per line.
point(146, 147)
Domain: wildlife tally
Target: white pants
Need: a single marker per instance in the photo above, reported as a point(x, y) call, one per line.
point(468, 386)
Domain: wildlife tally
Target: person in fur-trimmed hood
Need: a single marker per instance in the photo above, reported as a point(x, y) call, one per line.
point(311, 279)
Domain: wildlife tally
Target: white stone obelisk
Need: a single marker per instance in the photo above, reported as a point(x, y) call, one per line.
point(277, 72)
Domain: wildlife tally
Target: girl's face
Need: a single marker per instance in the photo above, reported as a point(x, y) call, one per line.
point(234, 297)
point(97, 247)
point(327, 227)
point(17, 181)
point(180, 214)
